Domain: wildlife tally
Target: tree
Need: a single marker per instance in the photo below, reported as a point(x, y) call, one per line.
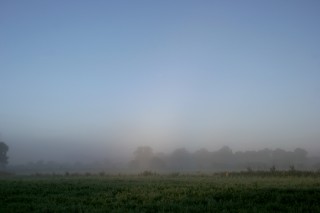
point(181, 159)
point(3, 154)
point(143, 153)
point(223, 157)
point(300, 154)
point(142, 158)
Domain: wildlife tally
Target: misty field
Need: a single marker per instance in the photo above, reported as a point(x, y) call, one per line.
point(224, 192)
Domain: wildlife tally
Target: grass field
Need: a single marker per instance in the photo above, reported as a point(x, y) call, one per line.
point(168, 193)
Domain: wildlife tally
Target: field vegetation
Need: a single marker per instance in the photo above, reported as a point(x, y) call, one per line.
point(250, 191)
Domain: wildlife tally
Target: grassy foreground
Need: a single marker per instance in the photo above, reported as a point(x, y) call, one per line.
point(189, 193)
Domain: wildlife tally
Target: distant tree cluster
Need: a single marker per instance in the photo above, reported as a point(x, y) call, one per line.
point(3, 155)
point(222, 159)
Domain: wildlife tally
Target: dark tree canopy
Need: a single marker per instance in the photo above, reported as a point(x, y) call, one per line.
point(3, 154)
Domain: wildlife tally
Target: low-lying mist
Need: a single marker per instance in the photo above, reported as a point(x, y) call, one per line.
point(144, 158)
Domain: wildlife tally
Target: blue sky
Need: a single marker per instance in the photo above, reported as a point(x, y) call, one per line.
point(244, 74)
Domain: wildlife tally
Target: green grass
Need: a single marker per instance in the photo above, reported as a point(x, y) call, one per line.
point(181, 193)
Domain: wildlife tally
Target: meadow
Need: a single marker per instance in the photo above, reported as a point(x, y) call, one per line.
point(149, 192)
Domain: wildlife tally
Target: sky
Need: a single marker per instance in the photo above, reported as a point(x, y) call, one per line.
point(99, 78)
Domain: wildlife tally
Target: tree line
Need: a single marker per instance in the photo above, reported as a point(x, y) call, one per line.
point(223, 159)
point(180, 160)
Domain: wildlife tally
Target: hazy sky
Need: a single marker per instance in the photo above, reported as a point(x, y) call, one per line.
point(101, 76)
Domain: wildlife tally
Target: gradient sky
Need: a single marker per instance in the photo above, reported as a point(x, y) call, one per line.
point(109, 75)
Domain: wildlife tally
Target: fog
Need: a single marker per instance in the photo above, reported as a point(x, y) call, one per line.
point(88, 83)
point(121, 143)
point(145, 158)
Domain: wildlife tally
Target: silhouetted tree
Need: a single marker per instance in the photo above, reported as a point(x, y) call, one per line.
point(3, 154)
point(181, 159)
point(143, 153)
point(202, 159)
point(300, 157)
point(300, 154)
point(222, 158)
point(142, 158)
point(281, 158)
point(157, 163)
